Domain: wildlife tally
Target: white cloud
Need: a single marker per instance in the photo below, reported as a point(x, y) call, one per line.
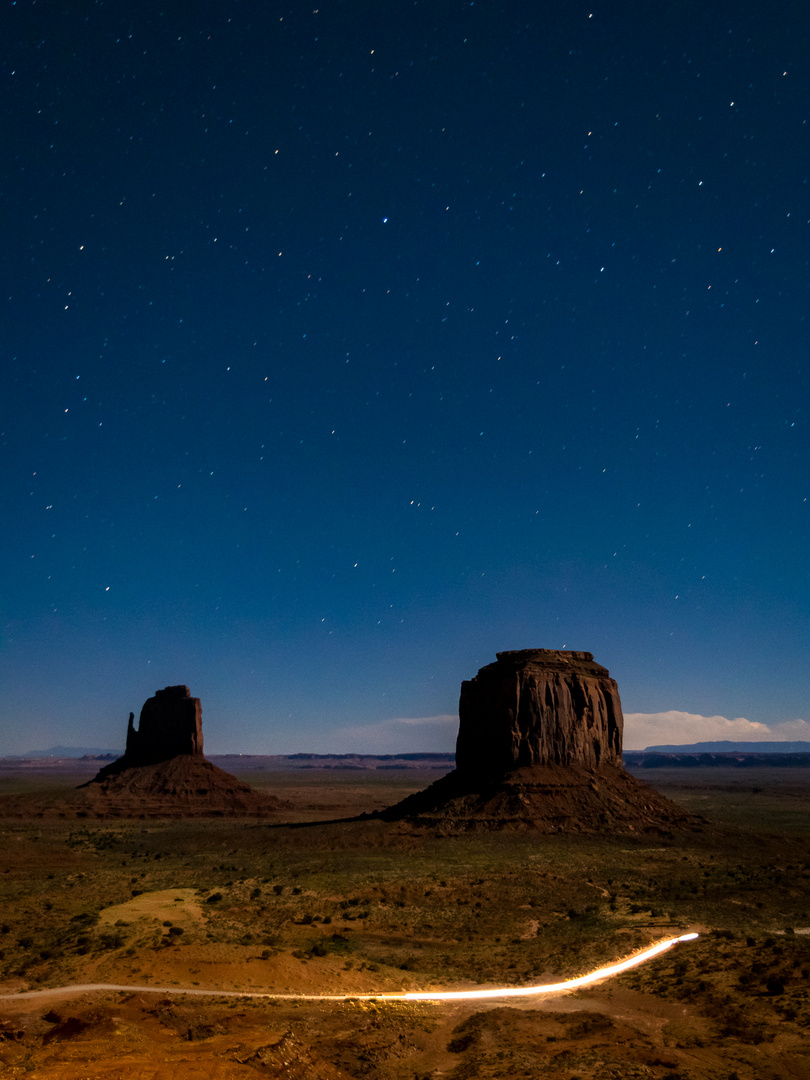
point(792, 729)
point(400, 735)
point(676, 728)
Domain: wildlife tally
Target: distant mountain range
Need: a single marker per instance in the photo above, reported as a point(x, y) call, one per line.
point(721, 747)
point(68, 751)
point(728, 747)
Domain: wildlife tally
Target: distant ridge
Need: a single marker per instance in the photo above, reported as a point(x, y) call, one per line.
point(69, 752)
point(729, 747)
point(373, 757)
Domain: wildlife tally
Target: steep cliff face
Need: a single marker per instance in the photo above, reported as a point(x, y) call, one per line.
point(170, 725)
point(539, 707)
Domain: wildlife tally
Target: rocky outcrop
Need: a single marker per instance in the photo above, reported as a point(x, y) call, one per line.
point(163, 772)
point(540, 746)
point(183, 786)
point(539, 707)
point(170, 725)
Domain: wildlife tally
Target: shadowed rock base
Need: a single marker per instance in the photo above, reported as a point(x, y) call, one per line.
point(185, 786)
point(547, 799)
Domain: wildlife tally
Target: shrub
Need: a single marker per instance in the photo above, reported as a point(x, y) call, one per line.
point(111, 941)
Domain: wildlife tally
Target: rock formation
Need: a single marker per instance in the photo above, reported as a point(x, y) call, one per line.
point(539, 707)
point(163, 771)
point(170, 725)
point(540, 746)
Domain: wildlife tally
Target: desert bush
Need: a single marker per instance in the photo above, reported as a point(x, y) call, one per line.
point(461, 1043)
point(111, 941)
point(589, 1024)
point(85, 919)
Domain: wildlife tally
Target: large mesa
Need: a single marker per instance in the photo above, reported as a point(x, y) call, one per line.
point(539, 707)
point(163, 771)
point(540, 746)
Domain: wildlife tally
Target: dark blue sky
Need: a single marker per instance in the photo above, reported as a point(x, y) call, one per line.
point(344, 347)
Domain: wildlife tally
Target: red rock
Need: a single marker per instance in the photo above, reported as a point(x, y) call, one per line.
point(540, 747)
point(163, 771)
point(170, 724)
point(539, 707)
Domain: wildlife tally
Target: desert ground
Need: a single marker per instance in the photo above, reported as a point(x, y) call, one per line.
point(312, 902)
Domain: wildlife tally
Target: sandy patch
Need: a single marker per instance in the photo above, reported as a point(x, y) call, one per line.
point(176, 905)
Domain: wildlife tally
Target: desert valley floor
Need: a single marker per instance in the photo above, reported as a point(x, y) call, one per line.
point(312, 902)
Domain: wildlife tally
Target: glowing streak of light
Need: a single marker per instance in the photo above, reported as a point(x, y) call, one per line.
point(552, 988)
point(406, 995)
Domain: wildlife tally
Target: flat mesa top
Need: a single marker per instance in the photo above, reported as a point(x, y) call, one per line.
point(568, 660)
point(173, 693)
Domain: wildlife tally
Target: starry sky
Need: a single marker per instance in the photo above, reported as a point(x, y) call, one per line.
point(344, 346)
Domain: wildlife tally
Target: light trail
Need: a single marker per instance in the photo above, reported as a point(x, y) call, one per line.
point(553, 988)
point(401, 995)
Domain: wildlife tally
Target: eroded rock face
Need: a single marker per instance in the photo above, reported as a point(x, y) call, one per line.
point(170, 725)
point(539, 707)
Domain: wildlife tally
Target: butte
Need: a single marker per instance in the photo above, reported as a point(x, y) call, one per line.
point(540, 746)
point(163, 772)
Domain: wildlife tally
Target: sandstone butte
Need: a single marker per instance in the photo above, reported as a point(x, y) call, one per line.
point(163, 771)
point(540, 746)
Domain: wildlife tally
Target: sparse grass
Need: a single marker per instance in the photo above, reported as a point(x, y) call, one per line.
point(383, 906)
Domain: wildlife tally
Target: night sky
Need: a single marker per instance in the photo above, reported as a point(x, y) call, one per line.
point(345, 346)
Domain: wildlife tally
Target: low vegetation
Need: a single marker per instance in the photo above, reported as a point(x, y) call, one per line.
point(364, 906)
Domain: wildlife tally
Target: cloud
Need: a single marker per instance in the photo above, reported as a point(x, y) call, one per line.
point(437, 734)
point(676, 728)
point(792, 729)
point(400, 735)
